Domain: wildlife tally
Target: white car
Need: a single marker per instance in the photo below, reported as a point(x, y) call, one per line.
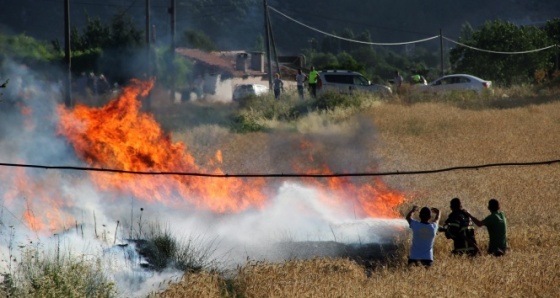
point(456, 82)
point(242, 91)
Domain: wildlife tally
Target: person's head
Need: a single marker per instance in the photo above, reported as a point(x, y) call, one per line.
point(396, 72)
point(312, 67)
point(277, 75)
point(299, 71)
point(455, 204)
point(425, 214)
point(493, 205)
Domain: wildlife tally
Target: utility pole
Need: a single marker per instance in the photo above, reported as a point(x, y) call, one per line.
point(67, 54)
point(172, 11)
point(267, 41)
point(441, 51)
point(273, 46)
point(148, 53)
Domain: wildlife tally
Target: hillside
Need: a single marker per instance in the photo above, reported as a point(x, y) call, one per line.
point(237, 23)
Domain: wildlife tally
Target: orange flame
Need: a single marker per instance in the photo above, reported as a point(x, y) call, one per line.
point(119, 136)
point(47, 209)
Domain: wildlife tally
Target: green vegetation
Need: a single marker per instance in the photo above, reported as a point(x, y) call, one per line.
point(41, 274)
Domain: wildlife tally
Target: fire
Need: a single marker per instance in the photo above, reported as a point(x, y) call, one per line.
point(120, 136)
point(46, 208)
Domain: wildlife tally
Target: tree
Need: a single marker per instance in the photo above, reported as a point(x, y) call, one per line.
point(197, 40)
point(500, 36)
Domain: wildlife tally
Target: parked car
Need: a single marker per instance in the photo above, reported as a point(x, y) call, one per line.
point(456, 82)
point(345, 81)
point(242, 91)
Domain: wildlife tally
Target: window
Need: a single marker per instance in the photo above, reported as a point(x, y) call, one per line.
point(359, 80)
point(340, 79)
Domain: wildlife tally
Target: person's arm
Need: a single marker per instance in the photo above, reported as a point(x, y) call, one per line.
point(409, 215)
point(436, 219)
point(474, 219)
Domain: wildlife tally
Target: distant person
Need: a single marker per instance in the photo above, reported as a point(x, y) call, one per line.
point(397, 80)
point(93, 84)
point(423, 236)
point(417, 79)
point(496, 224)
point(103, 84)
point(313, 77)
point(199, 87)
point(459, 227)
point(278, 86)
point(300, 80)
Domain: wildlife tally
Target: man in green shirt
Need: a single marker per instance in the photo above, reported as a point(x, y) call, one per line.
point(313, 78)
point(496, 224)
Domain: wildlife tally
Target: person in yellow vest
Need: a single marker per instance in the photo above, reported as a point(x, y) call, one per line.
point(312, 82)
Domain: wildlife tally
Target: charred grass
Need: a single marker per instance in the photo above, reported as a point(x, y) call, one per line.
point(512, 125)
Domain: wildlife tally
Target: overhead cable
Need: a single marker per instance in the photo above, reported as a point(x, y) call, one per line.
point(349, 39)
point(285, 175)
point(499, 52)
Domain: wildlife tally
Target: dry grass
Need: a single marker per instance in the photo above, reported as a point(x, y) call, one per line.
point(426, 136)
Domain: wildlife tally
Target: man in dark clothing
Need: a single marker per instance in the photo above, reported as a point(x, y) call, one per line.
point(460, 229)
point(496, 224)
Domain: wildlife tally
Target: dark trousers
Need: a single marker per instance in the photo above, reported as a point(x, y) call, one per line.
point(300, 91)
point(313, 89)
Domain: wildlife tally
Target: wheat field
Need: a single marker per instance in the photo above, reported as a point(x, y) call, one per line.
point(429, 136)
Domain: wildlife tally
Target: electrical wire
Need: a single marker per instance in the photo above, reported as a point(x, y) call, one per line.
point(272, 175)
point(498, 52)
point(349, 39)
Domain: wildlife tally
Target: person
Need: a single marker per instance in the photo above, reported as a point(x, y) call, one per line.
point(300, 80)
point(496, 224)
point(459, 227)
point(103, 84)
point(312, 81)
point(199, 87)
point(398, 80)
point(423, 236)
point(93, 83)
point(278, 86)
point(418, 79)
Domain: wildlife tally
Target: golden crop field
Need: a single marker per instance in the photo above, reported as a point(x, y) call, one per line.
point(430, 136)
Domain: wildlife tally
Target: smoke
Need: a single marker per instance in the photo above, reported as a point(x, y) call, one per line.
point(64, 210)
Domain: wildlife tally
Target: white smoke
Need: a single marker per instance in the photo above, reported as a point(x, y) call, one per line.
point(103, 225)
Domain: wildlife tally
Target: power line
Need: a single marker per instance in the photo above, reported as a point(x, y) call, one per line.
point(349, 39)
point(499, 52)
point(345, 21)
point(408, 42)
point(286, 175)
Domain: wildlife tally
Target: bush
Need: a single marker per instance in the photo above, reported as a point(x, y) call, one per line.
point(38, 275)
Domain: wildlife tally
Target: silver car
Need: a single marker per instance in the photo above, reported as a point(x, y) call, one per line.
point(242, 91)
point(344, 81)
point(456, 82)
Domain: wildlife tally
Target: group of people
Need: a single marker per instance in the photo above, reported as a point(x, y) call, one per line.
point(414, 79)
point(459, 227)
point(97, 85)
point(312, 81)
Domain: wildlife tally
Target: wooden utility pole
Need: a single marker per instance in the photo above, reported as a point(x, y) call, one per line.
point(67, 54)
point(172, 11)
point(273, 46)
point(148, 53)
point(441, 52)
point(267, 41)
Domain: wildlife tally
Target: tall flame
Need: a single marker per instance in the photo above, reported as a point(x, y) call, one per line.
point(120, 136)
